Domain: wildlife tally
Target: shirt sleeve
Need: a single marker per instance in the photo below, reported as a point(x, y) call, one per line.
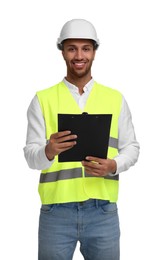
point(34, 150)
point(128, 147)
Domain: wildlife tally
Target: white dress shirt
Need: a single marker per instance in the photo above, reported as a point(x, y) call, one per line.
point(34, 151)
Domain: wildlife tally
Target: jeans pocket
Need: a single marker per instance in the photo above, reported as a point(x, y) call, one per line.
point(47, 208)
point(109, 208)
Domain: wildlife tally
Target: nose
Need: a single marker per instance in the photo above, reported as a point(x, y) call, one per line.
point(79, 54)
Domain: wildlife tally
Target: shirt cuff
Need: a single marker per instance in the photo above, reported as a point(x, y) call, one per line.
point(43, 160)
point(120, 166)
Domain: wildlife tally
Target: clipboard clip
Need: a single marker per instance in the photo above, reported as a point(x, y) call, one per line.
point(84, 113)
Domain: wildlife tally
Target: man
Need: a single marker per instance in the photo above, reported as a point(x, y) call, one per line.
point(78, 198)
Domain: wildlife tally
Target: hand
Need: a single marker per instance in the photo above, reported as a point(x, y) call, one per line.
point(99, 167)
point(58, 143)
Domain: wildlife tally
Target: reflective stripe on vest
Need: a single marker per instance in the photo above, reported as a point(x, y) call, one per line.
point(69, 174)
point(61, 175)
point(113, 142)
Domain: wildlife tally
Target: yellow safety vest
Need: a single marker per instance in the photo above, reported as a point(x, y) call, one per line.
point(68, 182)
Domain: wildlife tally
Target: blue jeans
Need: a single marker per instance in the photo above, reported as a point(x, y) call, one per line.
point(94, 223)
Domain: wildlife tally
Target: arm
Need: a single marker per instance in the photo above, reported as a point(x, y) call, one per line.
point(40, 155)
point(34, 150)
point(128, 147)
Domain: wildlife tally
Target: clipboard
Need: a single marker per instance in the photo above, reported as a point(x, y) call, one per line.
point(92, 130)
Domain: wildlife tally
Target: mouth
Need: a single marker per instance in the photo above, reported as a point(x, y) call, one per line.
point(79, 64)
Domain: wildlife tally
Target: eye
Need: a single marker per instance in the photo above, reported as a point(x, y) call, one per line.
point(86, 49)
point(71, 49)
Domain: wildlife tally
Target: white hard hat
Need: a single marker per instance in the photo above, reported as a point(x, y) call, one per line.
point(78, 29)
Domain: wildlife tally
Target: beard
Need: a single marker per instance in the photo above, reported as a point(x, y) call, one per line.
point(80, 72)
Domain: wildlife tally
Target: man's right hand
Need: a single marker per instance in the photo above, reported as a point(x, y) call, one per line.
point(58, 143)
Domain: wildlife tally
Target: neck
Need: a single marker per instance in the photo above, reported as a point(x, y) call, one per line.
point(79, 82)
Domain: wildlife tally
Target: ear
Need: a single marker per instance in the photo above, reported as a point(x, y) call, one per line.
point(94, 54)
point(63, 54)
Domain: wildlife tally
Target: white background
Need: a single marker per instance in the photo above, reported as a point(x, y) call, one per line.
point(130, 59)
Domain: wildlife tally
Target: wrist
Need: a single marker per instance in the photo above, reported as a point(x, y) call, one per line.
point(113, 166)
point(50, 156)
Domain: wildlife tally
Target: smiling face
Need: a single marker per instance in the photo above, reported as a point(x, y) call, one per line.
point(78, 55)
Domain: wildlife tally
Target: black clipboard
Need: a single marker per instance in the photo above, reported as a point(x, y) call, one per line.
point(92, 132)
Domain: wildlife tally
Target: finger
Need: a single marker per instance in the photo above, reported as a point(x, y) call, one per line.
point(60, 134)
point(62, 138)
point(67, 138)
point(66, 145)
point(95, 159)
point(91, 164)
point(91, 172)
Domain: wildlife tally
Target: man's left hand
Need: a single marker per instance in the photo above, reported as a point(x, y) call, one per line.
point(99, 167)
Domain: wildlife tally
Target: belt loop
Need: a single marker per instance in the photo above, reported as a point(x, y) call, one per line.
point(97, 203)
